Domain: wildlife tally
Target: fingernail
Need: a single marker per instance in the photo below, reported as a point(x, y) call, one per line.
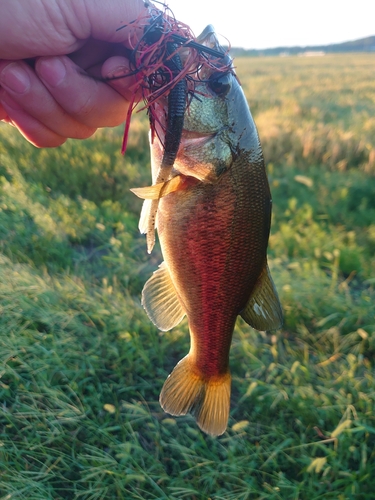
point(118, 72)
point(52, 70)
point(15, 79)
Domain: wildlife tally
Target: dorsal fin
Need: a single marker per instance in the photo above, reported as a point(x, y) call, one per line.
point(159, 298)
point(263, 309)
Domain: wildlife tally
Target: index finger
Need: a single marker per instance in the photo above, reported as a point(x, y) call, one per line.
point(117, 73)
point(87, 100)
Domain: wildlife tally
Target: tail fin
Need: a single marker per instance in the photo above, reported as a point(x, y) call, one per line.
point(185, 391)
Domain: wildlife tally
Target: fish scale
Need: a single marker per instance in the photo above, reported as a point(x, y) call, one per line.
point(215, 286)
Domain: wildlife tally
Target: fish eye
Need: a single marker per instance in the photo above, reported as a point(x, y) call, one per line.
point(220, 83)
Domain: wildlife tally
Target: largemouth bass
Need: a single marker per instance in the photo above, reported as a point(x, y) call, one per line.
point(213, 222)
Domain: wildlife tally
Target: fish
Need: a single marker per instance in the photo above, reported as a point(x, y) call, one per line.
point(213, 222)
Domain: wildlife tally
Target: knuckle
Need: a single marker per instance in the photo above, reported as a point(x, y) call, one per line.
point(83, 108)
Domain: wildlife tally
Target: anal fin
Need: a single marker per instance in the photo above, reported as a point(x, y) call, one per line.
point(160, 300)
point(263, 310)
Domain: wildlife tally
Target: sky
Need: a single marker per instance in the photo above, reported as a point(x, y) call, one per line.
point(273, 23)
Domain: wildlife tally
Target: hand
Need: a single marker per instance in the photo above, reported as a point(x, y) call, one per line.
point(55, 96)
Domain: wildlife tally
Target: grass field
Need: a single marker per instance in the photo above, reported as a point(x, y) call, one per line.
point(81, 366)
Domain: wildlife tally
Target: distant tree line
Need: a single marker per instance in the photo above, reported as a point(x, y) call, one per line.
point(362, 45)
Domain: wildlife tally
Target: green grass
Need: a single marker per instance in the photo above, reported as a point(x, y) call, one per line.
point(81, 366)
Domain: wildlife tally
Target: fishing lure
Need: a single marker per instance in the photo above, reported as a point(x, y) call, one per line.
point(165, 62)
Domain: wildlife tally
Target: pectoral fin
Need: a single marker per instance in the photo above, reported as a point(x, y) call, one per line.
point(159, 190)
point(159, 298)
point(263, 310)
point(148, 192)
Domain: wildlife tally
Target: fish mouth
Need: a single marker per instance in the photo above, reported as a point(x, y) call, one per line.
point(189, 138)
point(195, 138)
point(194, 134)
